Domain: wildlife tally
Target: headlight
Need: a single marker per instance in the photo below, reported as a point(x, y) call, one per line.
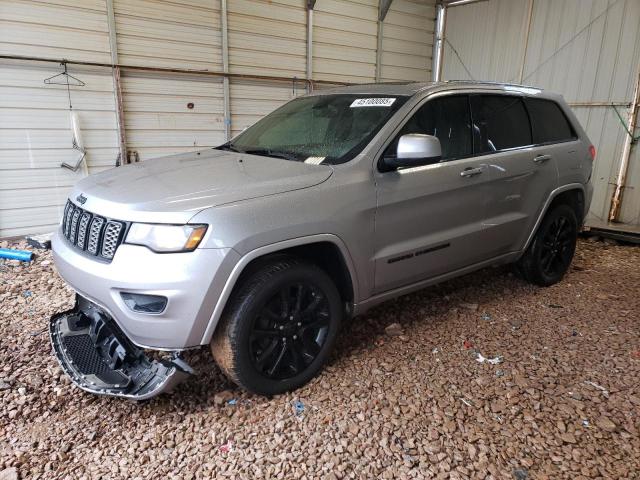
point(166, 238)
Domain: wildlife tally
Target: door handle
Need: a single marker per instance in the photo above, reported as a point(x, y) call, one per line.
point(471, 172)
point(542, 158)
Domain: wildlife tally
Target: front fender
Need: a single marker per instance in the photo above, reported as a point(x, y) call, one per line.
point(268, 249)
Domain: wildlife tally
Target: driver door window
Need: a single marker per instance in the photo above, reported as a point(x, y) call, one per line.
point(448, 119)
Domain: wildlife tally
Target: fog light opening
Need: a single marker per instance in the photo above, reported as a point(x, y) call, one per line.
point(141, 303)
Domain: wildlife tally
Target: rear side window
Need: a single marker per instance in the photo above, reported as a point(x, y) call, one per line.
point(548, 122)
point(499, 122)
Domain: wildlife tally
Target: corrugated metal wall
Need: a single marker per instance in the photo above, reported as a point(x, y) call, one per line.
point(187, 35)
point(345, 40)
point(34, 118)
point(588, 50)
point(407, 41)
point(265, 37)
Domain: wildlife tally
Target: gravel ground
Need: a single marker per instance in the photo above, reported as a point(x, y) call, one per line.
point(397, 401)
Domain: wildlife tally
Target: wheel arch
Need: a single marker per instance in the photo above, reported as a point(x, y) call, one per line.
point(327, 251)
point(572, 194)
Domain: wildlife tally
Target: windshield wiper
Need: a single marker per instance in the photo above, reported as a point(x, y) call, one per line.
point(228, 146)
point(271, 153)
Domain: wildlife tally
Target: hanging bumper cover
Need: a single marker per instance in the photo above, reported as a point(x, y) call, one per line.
point(100, 359)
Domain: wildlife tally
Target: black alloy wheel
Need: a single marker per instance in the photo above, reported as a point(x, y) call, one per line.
point(279, 326)
point(551, 251)
point(557, 247)
point(289, 331)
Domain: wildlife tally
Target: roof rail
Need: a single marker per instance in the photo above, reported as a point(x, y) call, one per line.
point(488, 82)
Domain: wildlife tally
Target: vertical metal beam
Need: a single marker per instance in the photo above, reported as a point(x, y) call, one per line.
point(122, 132)
point(438, 45)
point(383, 9)
point(111, 22)
point(310, 5)
point(117, 87)
point(441, 27)
point(226, 91)
point(526, 40)
point(380, 35)
point(616, 199)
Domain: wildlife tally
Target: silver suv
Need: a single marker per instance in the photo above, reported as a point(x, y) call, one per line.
point(331, 204)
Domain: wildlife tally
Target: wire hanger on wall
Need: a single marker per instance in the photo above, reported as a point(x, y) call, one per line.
point(50, 80)
point(68, 81)
point(65, 78)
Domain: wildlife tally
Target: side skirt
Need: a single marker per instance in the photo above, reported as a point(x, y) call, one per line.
point(371, 302)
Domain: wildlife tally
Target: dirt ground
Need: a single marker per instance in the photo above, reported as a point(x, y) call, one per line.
point(558, 395)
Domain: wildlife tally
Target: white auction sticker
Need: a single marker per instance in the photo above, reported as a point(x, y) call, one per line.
point(373, 102)
point(314, 160)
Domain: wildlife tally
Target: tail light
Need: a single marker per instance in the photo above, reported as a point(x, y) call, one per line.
point(592, 152)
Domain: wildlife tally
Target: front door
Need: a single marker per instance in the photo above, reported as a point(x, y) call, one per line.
point(429, 219)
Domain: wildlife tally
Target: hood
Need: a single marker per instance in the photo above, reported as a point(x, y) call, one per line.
point(175, 188)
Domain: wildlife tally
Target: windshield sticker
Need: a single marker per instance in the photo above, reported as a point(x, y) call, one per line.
point(372, 102)
point(315, 160)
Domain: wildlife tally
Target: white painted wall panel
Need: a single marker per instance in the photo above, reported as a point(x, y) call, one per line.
point(489, 37)
point(35, 139)
point(407, 41)
point(58, 31)
point(34, 118)
point(587, 50)
point(345, 40)
point(158, 120)
point(267, 37)
point(159, 33)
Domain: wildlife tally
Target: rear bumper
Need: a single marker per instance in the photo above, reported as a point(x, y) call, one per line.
point(588, 196)
point(99, 358)
point(191, 282)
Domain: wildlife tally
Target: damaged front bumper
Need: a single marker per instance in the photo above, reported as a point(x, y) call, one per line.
point(99, 358)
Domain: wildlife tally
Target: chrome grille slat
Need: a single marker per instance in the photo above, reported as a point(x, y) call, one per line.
point(67, 208)
point(74, 225)
point(67, 219)
point(96, 235)
point(82, 229)
point(111, 239)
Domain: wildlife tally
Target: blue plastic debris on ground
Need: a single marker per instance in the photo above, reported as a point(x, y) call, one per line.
point(12, 254)
point(298, 406)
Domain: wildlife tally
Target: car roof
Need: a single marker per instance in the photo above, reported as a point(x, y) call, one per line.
point(413, 88)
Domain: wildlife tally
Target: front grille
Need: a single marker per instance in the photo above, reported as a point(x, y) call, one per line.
point(91, 233)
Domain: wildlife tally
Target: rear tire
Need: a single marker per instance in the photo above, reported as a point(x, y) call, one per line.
point(279, 327)
point(551, 251)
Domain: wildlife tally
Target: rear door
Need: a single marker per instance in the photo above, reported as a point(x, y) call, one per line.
point(429, 219)
point(522, 173)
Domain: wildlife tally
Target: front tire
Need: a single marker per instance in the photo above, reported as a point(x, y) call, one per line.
point(279, 327)
point(550, 253)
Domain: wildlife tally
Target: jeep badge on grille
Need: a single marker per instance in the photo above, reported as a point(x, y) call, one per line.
point(81, 199)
